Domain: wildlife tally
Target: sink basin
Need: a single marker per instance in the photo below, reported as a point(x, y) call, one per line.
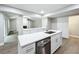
point(49, 32)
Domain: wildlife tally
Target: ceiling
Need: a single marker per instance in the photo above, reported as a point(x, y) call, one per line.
point(40, 8)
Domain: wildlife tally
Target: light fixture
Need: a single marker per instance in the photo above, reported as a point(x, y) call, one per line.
point(42, 12)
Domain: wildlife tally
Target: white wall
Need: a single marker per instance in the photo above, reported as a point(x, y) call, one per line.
point(10, 24)
point(44, 22)
point(11, 38)
point(74, 25)
point(52, 23)
point(13, 26)
point(7, 25)
point(19, 24)
point(37, 23)
point(2, 21)
point(49, 23)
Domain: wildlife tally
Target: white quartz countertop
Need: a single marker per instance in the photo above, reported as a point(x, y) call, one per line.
point(33, 37)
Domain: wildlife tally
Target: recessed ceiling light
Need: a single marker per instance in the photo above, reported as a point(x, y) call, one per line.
point(42, 12)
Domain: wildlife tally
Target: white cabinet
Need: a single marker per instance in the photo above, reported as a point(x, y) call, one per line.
point(62, 25)
point(29, 49)
point(56, 41)
point(53, 44)
point(59, 38)
point(44, 22)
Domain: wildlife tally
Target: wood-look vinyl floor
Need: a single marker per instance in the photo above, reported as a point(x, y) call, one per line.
point(69, 46)
point(9, 48)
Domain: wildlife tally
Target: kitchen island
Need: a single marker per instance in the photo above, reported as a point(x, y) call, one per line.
point(27, 41)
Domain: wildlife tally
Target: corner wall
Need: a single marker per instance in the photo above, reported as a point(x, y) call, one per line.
point(2, 21)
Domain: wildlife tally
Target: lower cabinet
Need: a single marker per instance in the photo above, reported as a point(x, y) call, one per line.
point(53, 44)
point(29, 49)
point(56, 41)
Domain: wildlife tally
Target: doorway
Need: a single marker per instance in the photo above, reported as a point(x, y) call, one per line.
point(74, 26)
point(10, 40)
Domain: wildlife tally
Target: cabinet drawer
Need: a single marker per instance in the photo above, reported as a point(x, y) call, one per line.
point(29, 49)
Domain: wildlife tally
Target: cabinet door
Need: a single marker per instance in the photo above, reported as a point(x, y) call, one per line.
point(53, 44)
point(56, 41)
point(59, 40)
point(29, 49)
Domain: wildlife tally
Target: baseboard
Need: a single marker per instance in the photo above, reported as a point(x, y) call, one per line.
point(75, 36)
point(1, 44)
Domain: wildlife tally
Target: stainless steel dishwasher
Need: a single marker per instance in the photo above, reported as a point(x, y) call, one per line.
point(43, 46)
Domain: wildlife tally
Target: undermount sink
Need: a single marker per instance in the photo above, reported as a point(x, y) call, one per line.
point(49, 32)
